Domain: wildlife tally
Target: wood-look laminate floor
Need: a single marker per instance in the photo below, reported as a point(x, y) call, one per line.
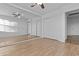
point(37, 46)
point(14, 40)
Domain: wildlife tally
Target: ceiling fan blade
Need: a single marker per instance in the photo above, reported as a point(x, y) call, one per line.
point(16, 14)
point(33, 4)
point(42, 6)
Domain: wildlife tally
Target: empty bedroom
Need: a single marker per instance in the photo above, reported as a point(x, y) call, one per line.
point(39, 29)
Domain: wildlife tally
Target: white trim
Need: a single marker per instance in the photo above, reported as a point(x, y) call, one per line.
point(37, 14)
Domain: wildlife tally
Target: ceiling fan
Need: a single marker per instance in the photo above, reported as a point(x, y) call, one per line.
point(17, 14)
point(41, 5)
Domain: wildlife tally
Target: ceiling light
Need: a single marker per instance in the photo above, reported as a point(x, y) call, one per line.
point(40, 4)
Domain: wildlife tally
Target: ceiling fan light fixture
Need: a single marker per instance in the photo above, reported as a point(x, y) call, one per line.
point(17, 14)
point(40, 4)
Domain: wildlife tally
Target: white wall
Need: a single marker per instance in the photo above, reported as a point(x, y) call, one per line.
point(55, 25)
point(35, 27)
point(73, 25)
point(20, 28)
point(51, 26)
point(10, 26)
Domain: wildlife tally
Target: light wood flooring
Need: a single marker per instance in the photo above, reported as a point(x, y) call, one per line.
point(37, 46)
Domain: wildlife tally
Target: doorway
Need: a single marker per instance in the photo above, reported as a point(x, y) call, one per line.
point(73, 26)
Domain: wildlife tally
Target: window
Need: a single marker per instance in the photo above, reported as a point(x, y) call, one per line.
point(7, 26)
